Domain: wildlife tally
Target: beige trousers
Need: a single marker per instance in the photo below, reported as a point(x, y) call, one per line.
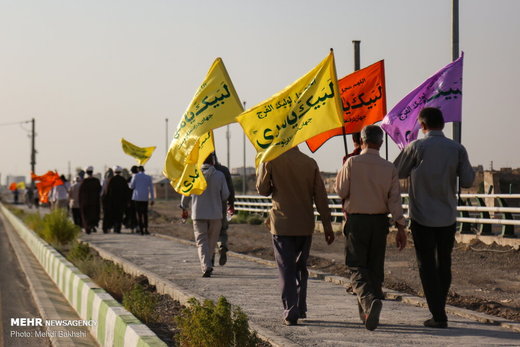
point(206, 236)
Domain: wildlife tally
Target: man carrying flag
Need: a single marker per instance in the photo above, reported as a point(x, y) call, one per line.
point(189, 162)
point(275, 127)
point(434, 163)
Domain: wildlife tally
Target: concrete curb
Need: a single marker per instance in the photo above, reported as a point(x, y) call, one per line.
point(114, 326)
point(389, 294)
point(164, 286)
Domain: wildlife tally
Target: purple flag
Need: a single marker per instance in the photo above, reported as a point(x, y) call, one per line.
point(443, 90)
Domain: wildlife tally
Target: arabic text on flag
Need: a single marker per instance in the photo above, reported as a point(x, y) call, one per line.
point(215, 104)
point(442, 90)
point(308, 107)
point(363, 98)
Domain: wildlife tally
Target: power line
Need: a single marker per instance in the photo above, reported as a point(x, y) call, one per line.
point(14, 123)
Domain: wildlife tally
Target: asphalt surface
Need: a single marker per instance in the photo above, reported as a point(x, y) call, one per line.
point(31, 293)
point(16, 300)
point(332, 314)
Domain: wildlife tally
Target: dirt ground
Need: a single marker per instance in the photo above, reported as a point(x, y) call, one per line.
point(485, 278)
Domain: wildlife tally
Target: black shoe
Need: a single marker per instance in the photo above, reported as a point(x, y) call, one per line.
point(207, 273)
point(146, 232)
point(290, 322)
point(222, 260)
point(431, 323)
point(303, 315)
point(372, 319)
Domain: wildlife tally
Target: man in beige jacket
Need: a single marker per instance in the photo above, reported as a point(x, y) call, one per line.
point(370, 189)
point(295, 183)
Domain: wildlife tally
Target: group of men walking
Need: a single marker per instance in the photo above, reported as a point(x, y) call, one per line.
point(369, 187)
point(370, 191)
point(123, 201)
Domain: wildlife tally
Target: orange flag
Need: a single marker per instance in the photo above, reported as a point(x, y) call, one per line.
point(12, 186)
point(363, 97)
point(45, 184)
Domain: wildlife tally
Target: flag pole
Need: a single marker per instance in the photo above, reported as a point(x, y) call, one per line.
point(357, 66)
point(345, 140)
point(457, 126)
point(244, 177)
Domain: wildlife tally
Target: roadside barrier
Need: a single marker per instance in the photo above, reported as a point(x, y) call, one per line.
point(112, 324)
point(473, 219)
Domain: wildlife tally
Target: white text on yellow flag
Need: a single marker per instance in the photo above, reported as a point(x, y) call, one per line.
point(192, 180)
point(215, 104)
point(308, 107)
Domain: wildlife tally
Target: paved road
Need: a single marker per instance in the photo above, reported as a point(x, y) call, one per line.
point(332, 318)
point(15, 299)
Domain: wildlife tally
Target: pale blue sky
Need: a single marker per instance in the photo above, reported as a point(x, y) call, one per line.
point(94, 71)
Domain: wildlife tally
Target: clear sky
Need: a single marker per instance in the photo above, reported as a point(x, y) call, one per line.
point(91, 72)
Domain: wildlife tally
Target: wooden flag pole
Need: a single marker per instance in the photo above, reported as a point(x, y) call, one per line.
point(386, 145)
point(345, 141)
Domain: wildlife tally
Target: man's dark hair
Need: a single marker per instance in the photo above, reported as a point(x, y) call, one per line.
point(134, 169)
point(210, 159)
point(141, 168)
point(432, 118)
point(356, 138)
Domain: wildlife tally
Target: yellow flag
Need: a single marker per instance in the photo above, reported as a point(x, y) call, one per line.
point(141, 154)
point(308, 107)
point(215, 104)
point(192, 180)
point(20, 185)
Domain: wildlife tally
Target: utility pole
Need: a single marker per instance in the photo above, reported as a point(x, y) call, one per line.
point(457, 128)
point(33, 148)
point(357, 55)
point(244, 185)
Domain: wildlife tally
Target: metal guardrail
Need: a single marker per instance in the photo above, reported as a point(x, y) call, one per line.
point(472, 218)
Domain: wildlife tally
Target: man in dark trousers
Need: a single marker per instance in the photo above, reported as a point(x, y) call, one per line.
point(434, 163)
point(90, 201)
point(370, 189)
point(143, 192)
point(229, 205)
point(117, 197)
point(295, 183)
